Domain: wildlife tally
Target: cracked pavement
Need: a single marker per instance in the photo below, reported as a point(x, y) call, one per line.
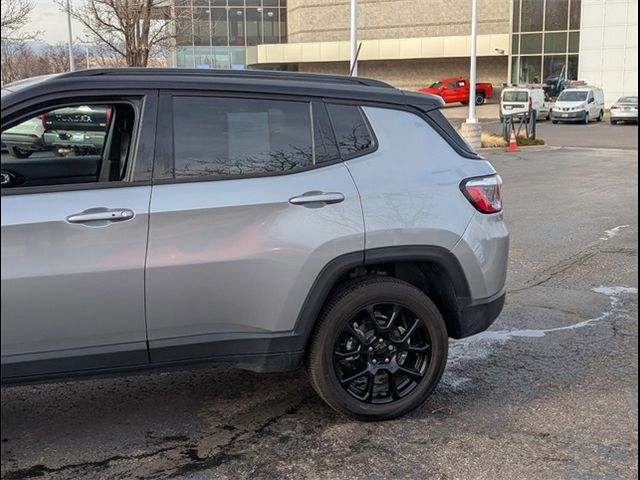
point(550, 392)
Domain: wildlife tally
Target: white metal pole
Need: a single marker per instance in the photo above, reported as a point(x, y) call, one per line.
point(353, 64)
point(472, 74)
point(72, 66)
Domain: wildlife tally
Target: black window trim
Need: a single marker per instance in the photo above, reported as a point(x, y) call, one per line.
point(166, 144)
point(374, 139)
point(143, 103)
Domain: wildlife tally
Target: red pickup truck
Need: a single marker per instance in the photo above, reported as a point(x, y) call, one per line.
point(457, 90)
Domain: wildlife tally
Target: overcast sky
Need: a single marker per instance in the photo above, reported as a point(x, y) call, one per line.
point(48, 18)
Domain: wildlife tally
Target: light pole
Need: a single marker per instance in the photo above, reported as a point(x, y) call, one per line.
point(353, 64)
point(471, 130)
point(72, 66)
point(472, 71)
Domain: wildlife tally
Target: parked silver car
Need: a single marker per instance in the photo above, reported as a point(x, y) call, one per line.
point(624, 110)
point(263, 219)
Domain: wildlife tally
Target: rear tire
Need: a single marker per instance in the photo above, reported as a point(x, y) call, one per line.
point(480, 98)
point(555, 122)
point(379, 349)
point(600, 116)
point(613, 122)
point(19, 152)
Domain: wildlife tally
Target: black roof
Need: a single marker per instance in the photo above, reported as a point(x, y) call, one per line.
point(239, 74)
point(240, 81)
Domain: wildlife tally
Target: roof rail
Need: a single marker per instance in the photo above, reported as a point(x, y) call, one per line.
point(257, 74)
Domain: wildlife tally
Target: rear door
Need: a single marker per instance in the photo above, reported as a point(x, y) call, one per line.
point(74, 234)
point(253, 202)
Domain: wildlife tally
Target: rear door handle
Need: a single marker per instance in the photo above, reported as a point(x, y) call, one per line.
point(317, 197)
point(101, 216)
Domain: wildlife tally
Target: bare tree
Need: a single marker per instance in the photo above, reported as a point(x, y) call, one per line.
point(14, 16)
point(132, 29)
point(20, 60)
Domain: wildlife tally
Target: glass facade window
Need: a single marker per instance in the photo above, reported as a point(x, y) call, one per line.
point(555, 42)
point(574, 14)
point(574, 42)
point(215, 33)
point(532, 15)
point(219, 26)
point(545, 40)
point(556, 15)
point(531, 69)
point(531, 43)
point(201, 27)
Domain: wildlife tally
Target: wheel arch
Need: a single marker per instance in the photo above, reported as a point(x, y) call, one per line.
point(434, 270)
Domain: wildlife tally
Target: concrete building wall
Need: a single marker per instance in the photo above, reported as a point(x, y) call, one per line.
point(609, 47)
point(328, 20)
point(414, 74)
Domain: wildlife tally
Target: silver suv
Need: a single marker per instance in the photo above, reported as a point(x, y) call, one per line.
point(262, 219)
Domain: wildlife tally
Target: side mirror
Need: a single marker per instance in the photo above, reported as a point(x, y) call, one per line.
point(591, 100)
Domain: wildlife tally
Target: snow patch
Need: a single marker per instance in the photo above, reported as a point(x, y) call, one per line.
point(477, 347)
point(613, 232)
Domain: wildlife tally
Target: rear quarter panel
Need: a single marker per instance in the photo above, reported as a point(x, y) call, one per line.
point(410, 185)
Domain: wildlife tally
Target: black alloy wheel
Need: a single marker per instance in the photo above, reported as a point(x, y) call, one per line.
point(379, 349)
point(382, 353)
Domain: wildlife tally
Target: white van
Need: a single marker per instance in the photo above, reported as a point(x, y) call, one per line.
point(518, 100)
point(579, 104)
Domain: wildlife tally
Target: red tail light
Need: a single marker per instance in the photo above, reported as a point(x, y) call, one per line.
point(108, 115)
point(43, 117)
point(614, 107)
point(530, 103)
point(484, 193)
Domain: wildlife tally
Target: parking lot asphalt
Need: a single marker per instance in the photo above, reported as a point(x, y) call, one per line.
point(549, 392)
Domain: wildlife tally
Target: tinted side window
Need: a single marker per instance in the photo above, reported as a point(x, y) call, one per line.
point(72, 144)
point(233, 136)
point(351, 129)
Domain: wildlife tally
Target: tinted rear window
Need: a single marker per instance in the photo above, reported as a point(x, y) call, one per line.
point(234, 136)
point(515, 96)
point(351, 129)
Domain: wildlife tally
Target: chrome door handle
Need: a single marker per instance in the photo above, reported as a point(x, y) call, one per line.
point(317, 197)
point(101, 216)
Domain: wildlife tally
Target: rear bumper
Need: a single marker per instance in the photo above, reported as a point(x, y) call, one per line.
point(479, 315)
point(629, 116)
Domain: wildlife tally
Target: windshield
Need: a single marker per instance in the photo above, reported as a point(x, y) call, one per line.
point(436, 85)
point(515, 96)
point(572, 96)
point(628, 100)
